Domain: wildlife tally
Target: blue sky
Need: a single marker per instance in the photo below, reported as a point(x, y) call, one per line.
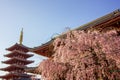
point(41, 19)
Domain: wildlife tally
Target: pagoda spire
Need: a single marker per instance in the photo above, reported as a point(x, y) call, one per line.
point(21, 36)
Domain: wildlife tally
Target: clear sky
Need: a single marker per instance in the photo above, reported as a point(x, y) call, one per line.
point(42, 19)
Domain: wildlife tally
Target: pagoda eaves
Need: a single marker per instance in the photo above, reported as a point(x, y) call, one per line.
point(14, 75)
point(19, 60)
point(18, 47)
point(16, 52)
point(12, 67)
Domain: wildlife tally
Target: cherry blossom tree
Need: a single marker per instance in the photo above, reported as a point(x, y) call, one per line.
point(83, 55)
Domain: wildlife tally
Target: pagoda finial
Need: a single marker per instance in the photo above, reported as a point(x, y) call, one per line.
point(21, 37)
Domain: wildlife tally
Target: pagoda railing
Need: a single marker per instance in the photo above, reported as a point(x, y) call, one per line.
point(19, 73)
point(22, 52)
point(21, 66)
point(18, 58)
point(23, 60)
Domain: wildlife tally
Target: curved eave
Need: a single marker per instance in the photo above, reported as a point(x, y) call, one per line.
point(11, 61)
point(11, 75)
point(16, 52)
point(103, 27)
point(44, 50)
point(8, 76)
point(100, 20)
point(16, 46)
point(13, 67)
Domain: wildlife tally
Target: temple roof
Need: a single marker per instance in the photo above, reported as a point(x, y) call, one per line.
point(13, 74)
point(100, 20)
point(13, 67)
point(45, 48)
point(16, 59)
point(18, 46)
point(104, 22)
point(16, 52)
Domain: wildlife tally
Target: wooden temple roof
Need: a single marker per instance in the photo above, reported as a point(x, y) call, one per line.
point(101, 24)
point(16, 59)
point(18, 46)
point(16, 52)
point(107, 19)
point(13, 67)
point(44, 50)
point(11, 75)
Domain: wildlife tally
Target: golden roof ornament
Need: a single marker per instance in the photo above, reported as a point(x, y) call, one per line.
point(21, 37)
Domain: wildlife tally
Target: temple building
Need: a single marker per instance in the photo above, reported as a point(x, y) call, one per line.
point(17, 62)
point(105, 23)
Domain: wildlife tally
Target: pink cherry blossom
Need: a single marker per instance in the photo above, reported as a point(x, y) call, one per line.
point(83, 55)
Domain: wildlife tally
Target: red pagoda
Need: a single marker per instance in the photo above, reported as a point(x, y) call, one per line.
point(17, 62)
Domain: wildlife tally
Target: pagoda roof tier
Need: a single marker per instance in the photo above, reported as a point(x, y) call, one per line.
point(18, 47)
point(13, 67)
point(17, 60)
point(14, 74)
point(17, 52)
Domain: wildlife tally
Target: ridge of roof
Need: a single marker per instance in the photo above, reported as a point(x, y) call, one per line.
point(95, 22)
point(100, 20)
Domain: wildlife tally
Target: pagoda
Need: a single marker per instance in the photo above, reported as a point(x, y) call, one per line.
point(17, 62)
